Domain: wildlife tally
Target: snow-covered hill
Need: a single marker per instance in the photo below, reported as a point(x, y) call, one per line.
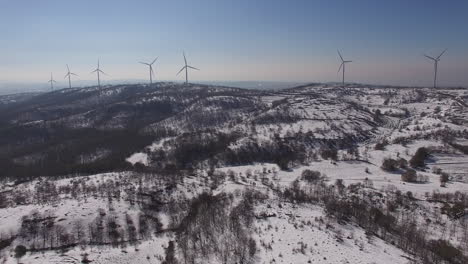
point(210, 174)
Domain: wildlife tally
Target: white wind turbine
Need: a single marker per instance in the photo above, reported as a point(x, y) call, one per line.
point(436, 64)
point(51, 81)
point(343, 65)
point(150, 65)
point(97, 71)
point(69, 74)
point(186, 67)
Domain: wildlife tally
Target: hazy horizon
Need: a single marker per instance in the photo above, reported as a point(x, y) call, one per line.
point(273, 41)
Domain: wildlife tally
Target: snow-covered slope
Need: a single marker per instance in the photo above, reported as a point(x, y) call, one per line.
point(209, 174)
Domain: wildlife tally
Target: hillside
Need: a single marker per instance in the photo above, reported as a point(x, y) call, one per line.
point(173, 173)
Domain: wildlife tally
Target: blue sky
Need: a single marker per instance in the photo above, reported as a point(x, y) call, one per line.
point(236, 40)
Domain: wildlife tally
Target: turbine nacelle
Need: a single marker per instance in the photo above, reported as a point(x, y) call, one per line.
point(342, 65)
point(98, 69)
point(69, 73)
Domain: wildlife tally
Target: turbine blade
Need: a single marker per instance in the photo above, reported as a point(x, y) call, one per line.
point(68, 68)
point(341, 65)
point(66, 75)
point(94, 71)
point(441, 54)
point(103, 72)
point(341, 57)
point(145, 63)
point(154, 61)
point(74, 74)
point(183, 68)
point(193, 68)
point(185, 59)
point(429, 57)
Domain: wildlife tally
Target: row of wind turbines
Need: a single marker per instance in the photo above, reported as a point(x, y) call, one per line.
point(436, 64)
point(186, 67)
point(98, 71)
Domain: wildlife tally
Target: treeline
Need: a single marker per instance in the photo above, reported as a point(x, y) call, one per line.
point(190, 150)
point(141, 190)
point(281, 152)
point(31, 152)
point(386, 218)
point(42, 231)
point(444, 134)
point(462, 148)
point(146, 194)
point(206, 227)
point(215, 228)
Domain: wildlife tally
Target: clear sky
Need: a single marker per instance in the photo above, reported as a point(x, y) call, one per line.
point(268, 40)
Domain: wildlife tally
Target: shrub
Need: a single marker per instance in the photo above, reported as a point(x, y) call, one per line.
point(85, 259)
point(419, 157)
point(5, 243)
point(461, 148)
point(444, 178)
point(437, 170)
point(368, 183)
point(20, 251)
point(381, 145)
point(392, 165)
point(456, 211)
point(339, 183)
point(445, 250)
point(329, 154)
point(409, 195)
point(409, 176)
point(377, 115)
point(170, 254)
point(283, 163)
point(311, 176)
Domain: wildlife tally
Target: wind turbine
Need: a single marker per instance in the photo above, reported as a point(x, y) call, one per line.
point(151, 72)
point(186, 67)
point(69, 74)
point(343, 65)
point(52, 81)
point(436, 64)
point(98, 70)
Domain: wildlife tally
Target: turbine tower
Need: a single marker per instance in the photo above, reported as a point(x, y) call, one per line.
point(97, 71)
point(343, 65)
point(52, 81)
point(151, 72)
point(186, 67)
point(69, 74)
point(436, 64)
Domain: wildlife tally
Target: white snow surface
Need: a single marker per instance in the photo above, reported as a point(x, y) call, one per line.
point(139, 157)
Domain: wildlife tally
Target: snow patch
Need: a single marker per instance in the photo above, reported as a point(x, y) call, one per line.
point(139, 157)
